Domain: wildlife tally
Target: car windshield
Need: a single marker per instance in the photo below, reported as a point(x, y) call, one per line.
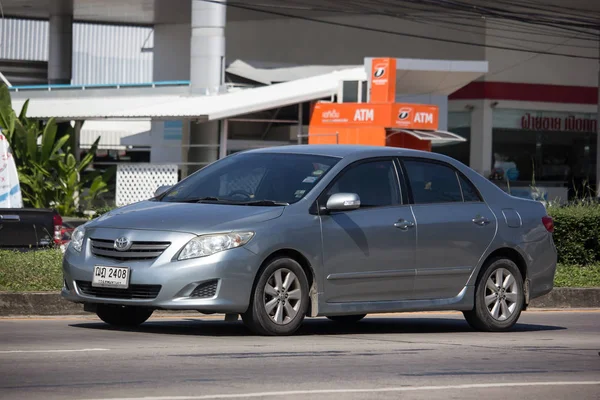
point(264, 179)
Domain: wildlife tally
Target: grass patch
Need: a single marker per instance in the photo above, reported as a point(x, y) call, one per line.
point(575, 276)
point(42, 271)
point(30, 272)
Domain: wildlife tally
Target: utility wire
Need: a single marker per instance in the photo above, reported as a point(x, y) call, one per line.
point(530, 18)
point(451, 26)
point(533, 5)
point(395, 33)
point(399, 9)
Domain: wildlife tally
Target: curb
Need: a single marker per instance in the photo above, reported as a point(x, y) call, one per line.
point(44, 303)
point(569, 298)
point(32, 303)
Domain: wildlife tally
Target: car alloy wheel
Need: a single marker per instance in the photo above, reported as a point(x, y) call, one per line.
point(499, 297)
point(282, 296)
point(501, 294)
point(279, 300)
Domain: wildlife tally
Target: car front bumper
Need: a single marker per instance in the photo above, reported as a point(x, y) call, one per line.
point(227, 276)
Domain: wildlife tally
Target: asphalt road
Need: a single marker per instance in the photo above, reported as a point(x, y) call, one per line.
point(550, 355)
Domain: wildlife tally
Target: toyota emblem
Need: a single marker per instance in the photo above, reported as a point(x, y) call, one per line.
point(122, 244)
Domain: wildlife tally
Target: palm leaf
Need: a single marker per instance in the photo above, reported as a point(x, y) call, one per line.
point(23, 113)
point(48, 138)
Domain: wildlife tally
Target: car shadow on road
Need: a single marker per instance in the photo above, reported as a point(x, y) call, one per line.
point(311, 327)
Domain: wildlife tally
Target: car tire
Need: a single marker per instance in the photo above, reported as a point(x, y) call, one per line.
point(123, 316)
point(279, 300)
point(347, 319)
point(497, 307)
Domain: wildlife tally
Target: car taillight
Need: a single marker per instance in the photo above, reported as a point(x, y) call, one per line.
point(548, 223)
point(57, 221)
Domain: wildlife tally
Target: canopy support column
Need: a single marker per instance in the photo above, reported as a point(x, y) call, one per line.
point(223, 139)
point(300, 117)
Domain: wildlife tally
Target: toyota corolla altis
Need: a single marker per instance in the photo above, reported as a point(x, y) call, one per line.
point(338, 231)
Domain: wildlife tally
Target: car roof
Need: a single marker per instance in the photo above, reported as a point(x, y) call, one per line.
point(342, 151)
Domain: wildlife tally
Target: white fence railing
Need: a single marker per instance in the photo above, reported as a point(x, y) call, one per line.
point(137, 182)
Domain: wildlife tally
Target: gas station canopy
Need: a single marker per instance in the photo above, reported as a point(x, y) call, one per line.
point(434, 77)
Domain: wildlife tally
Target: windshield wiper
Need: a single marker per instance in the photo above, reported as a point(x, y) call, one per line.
point(197, 200)
point(212, 199)
point(264, 203)
point(207, 199)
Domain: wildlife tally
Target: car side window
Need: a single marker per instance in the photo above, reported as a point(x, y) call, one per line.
point(375, 182)
point(469, 192)
point(433, 182)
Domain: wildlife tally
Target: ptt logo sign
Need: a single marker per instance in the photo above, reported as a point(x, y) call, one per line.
point(364, 115)
point(380, 74)
point(379, 71)
point(406, 116)
point(404, 113)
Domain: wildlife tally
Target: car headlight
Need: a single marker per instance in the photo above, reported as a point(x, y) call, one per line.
point(77, 236)
point(207, 245)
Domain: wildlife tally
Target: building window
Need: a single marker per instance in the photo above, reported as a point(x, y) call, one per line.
point(555, 149)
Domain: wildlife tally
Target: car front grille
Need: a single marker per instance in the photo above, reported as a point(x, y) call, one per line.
point(137, 251)
point(205, 290)
point(132, 292)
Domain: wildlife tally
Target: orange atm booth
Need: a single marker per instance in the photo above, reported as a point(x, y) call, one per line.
point(380, 121)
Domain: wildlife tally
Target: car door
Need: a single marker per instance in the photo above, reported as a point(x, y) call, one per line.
point(454, 227)
point(368, 253)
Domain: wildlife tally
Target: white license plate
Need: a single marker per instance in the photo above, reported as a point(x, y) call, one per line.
point(113, 277)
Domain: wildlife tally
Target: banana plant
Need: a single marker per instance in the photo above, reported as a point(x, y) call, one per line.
point(49, 174)
point(76, 190)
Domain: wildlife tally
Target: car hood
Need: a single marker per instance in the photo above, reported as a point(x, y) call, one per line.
point(183, 217)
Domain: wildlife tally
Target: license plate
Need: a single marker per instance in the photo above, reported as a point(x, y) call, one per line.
point(113, 277)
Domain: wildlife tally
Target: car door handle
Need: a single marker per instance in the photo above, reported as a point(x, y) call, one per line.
point(481, 220)
point(404, 224)
point(9, 218)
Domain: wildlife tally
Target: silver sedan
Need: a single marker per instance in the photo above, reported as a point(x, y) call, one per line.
point(285, 233)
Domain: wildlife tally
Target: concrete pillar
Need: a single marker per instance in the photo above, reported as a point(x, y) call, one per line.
point(207, 68)
point(481, 138)
point(60, 46)
point(171, 61)
point(207, 47)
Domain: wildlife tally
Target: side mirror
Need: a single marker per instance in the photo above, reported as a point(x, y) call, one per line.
point(161, 190)
point(343, 202)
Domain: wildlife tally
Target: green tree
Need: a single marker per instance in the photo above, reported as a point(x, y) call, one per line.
point(49, 174)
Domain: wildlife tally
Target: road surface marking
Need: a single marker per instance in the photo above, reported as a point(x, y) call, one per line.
point(349, 391)
point(50, 351)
